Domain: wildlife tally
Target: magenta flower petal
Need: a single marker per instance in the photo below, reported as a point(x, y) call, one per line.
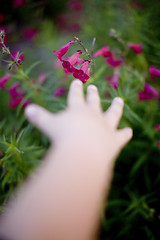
point(144, 96)
point(15, 102)
point(158, 143)
point(17, 57)
point(113, 80)
point(30, 33)
point(59, 92)
point(104, 51)
point(74, 58)
point(67, 67)
point(149, 93)
point(136, 48)
point(75, 5)
point(157, 126)
point(18, 3)
point(4, 80)
point(114, 62)
point(42, 78)
point(154, 72)
point(26, 103)
point(84, 67)
point(63, 50)
point(14, 92)
point(2, 18)
point(151, 90)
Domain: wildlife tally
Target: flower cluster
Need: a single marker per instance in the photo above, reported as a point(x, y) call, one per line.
point(69, 63)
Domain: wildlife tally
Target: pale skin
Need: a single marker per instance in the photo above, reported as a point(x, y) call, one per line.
point(63, 198)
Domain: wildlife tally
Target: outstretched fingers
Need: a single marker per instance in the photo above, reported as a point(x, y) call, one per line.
point(75, 95)
point(41, 118)
point(114, 112)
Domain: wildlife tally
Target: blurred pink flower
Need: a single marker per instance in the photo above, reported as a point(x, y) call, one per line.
point(114, 62)
point(1, 154)
point(14, 92)
point(158, 143)
point(4, 80)
point(75, 5)
point(113, 80)
point(75, 27)
point(154, 72)
point(14, 102)
point(2, 18)
point(30, 33)
point(57, 64)
point(18, 3)
point(104, 51)
point(157, 126)
point(18, 57)
point(17, 96)
point(149, 93)
point(26, 103)
point(59, 92)
point(60, 53)
point(136, 48)
point(42, 78)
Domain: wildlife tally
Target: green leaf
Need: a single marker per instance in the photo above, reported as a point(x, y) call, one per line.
point(130, 115)
point(31, 67)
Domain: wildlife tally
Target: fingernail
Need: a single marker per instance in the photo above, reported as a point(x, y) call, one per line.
point(120, 100)
point(92, 88)
point(77, 82)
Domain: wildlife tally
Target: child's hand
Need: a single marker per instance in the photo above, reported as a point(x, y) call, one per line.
point(63, 200)
point(83, 122)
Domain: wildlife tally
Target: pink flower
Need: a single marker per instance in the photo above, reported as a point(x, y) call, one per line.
point(83, 72)
point(60, 53)
point(26, 103)
point(157, 126)
point(18, 3)
point(114, 62)
point(42, 78)
point(68, 65)
point(59, 92)
point(14, 92)
point(30, 33)
point(149, 93)
point(104, 51)
point(14, 102)
point(158, 143)
point(2, 18)
point(17, 57)
point(57, 64)
point(154, 72)
point(113, 80)
point(136, 48)
point(75, 27)
point(75, 5)
point(4, 80)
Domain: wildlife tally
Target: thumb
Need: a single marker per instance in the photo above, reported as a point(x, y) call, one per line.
point(124, 136)
point(41, 118)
